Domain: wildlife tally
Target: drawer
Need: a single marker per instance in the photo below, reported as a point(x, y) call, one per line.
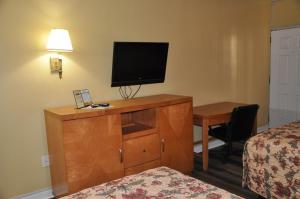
point(142, 167)
point(141, 150)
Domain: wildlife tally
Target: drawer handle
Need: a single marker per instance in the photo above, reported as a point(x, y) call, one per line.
point(163, 145)
point(121, 155)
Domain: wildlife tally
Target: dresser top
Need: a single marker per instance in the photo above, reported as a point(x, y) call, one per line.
point(118, 106)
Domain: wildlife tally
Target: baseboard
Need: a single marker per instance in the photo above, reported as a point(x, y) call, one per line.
point(211, 144)
point(45, 193)
point(262, 128)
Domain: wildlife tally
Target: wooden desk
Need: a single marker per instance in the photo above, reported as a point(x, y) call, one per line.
point(212, 114)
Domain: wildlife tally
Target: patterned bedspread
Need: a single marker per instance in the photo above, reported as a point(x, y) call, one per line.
point(156, 183)
point(272, 162)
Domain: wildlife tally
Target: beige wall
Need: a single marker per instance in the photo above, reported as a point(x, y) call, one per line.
point(285, 13)
point(219, 50)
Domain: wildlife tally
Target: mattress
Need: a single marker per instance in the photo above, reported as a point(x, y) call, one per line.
point(161, 182)
point(271, 162)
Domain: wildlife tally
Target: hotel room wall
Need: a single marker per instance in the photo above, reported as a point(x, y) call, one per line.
point(219, 50)
point(285, 13)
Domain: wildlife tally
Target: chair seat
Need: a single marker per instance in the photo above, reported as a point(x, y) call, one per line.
point(218, 132)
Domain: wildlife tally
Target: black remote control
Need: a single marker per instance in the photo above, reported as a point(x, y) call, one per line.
point(104, 104)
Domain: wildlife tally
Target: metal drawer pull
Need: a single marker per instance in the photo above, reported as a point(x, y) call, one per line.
point(121, 155)
point(163, 145)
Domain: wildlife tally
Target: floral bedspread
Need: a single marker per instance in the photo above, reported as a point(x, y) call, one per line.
point(156, 183)
point(271, 162)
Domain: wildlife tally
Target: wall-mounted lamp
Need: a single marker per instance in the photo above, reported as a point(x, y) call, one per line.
point(58, 41)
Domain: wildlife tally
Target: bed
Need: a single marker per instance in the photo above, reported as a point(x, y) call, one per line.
point(271, 162)
point(161, 182)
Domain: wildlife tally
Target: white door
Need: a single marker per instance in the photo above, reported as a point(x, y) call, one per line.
point(285, 77)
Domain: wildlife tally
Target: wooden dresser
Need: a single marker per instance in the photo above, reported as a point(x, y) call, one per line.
point(89, 147)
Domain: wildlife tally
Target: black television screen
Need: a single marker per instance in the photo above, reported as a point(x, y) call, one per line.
point(139, 63)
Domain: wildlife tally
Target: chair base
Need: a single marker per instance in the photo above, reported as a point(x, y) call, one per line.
point(227, 150)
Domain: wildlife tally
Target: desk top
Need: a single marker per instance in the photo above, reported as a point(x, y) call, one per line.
point(216, 109)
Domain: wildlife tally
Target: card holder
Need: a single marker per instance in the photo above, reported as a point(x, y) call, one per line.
point(82, 98)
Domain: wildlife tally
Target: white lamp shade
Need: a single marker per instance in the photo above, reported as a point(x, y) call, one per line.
point(59, 40)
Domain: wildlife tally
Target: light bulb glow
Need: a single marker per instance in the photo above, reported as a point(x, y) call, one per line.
point(59, 41)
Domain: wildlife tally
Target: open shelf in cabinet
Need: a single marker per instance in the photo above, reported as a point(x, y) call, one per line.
point(138, 123)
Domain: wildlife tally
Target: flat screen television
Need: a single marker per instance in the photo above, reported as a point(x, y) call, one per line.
point(136, 63)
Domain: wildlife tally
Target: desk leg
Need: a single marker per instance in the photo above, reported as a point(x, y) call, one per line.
point(254, 131)
point(205, 144)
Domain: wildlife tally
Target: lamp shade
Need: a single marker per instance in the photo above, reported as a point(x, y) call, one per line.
point(59, 40)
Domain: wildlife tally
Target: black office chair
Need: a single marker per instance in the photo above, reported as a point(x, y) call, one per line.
point(239, 128)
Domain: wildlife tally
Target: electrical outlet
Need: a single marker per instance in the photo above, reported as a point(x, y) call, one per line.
point(45, 160)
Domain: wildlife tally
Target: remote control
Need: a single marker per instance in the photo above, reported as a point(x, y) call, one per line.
point(94, 105)
point(104, 104)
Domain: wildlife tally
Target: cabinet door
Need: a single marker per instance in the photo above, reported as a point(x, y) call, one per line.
point(92, 151)
point(176, 129)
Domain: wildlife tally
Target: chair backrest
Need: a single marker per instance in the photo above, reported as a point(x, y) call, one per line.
point(242, 121)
